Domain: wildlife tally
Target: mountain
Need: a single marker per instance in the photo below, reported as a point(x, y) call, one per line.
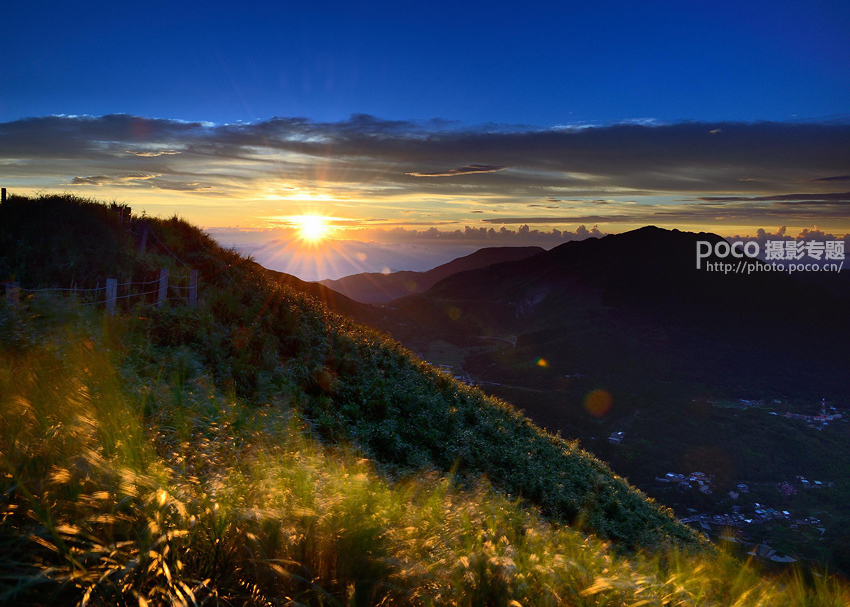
point(631, 306)
point(687, 370)
point(257, 448)
point(227, 416)
point(376, 287)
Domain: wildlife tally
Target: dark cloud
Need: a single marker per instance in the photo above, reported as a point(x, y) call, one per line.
point(827, 197)
point(93, 180)
point(152, 154)
point(679, 157)
point(566, 220)
point(744, 171)
point(469, 169)
point(126, 179)
point(836, 178)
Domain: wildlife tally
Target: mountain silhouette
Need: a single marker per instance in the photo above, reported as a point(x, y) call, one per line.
point(634, 305)
point(376, 287)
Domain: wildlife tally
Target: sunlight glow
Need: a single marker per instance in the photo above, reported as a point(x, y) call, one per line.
point(312, 228)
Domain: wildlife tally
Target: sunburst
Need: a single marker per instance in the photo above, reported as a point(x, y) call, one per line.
point(312, 228)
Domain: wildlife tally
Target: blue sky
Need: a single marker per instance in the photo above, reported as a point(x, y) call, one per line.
point(539, 64)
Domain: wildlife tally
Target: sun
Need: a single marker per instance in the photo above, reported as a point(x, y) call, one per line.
point(312, 228)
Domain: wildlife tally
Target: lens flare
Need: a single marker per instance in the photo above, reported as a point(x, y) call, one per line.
point(598, 403)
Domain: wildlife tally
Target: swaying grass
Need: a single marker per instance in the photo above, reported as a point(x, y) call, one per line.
point(263, 341)
point(131, 480)
point(259, 450)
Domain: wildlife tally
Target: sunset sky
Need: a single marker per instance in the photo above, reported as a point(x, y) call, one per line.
point(424, 131)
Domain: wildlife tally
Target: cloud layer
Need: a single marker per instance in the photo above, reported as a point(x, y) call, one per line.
point(436, 173)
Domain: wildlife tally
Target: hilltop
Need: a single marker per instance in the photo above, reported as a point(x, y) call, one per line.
point(261, 449)
point(377, 287)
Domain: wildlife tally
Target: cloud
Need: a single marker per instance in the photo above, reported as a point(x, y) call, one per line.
point(564, 219)
point(193, 186)
point(93, 180)
point(836, 178)
point(152, 154)
point(762, 236)
point(748, 174)
point(469, 169)
point(826, 198)
point(126, 179)
point(479, 236)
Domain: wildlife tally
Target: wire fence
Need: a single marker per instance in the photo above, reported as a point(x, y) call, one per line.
point(177, 288)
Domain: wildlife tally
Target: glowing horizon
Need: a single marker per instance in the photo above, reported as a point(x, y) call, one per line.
point(437, 190)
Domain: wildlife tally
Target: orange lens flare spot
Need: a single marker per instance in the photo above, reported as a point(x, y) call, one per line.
point(454, 313)
point(598, 403)
point(542, 363)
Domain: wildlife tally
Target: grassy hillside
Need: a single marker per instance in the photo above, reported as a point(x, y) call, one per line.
point(259, 449)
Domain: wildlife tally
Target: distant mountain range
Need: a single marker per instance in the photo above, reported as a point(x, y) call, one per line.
point(633, 308)
point(375, 287)
point(689, 369)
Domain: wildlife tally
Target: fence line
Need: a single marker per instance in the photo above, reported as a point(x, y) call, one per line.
point(73, 289)
point(129, 284)
point(14, 290)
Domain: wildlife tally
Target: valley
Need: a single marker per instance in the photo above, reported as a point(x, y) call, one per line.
point(693, 378)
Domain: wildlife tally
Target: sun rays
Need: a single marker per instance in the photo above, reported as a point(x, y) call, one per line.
point(312, 228)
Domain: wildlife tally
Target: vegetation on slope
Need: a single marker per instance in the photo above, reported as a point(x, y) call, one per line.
point(260, 339)
point(129, 479)
point(188, 455)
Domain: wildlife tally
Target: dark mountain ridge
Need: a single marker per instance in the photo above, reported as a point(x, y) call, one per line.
point(636, 301)
point(376, 287)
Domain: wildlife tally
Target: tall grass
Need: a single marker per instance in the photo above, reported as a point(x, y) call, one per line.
point(132, 480)
point(261, 340)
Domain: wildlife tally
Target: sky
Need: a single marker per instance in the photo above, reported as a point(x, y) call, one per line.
point(424, 131)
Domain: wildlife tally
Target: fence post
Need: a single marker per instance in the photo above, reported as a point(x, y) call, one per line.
point(163, 287)
point(144, 241)
point(2, 195)
point(111, 294)
point(13, 293)
point(193, 288)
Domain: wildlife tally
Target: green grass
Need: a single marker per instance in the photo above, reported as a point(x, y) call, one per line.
point(260, 450)
point(121, 488)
